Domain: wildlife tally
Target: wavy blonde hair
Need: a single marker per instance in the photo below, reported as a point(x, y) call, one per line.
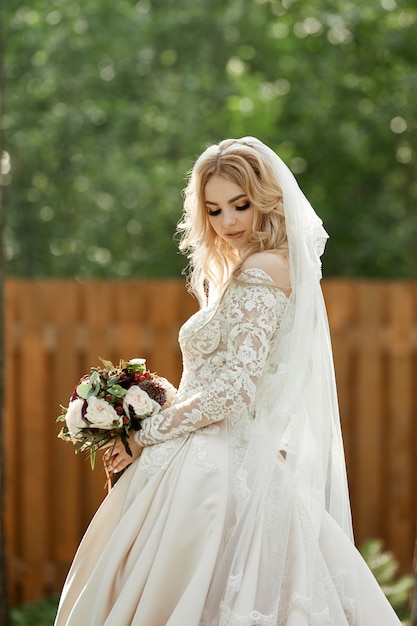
point(213, 262)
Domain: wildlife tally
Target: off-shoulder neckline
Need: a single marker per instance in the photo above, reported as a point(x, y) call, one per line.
point(249, 270)
point(267, 276)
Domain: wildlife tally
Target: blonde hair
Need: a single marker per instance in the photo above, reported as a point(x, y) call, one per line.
point(213, 261)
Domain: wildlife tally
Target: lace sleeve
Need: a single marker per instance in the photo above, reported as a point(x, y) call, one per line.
point(252, 315)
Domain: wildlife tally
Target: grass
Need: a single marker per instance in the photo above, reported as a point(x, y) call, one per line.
point(40, 613)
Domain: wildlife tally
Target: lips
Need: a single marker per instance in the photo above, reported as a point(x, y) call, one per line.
point(235, 235)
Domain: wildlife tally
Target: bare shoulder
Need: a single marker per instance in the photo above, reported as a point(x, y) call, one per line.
point(273, 263)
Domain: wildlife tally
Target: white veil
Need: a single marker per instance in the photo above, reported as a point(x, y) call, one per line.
point(300, 415)
point(307, 390)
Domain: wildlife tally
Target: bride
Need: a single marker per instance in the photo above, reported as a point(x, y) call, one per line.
point(235, 509)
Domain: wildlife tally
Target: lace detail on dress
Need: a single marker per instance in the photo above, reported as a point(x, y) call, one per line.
point(349, 604)
point(279, 617)
point(199, 449)
point(318, 616)
point(240, 490)
point(254, 618)
point(225, 352)
point(158, 458)
point(227, 617)
point(316, 607)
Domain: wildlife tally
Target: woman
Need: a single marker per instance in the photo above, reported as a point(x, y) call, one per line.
point(235, 510)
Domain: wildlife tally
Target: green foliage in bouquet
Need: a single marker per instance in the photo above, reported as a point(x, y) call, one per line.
point(384, 567)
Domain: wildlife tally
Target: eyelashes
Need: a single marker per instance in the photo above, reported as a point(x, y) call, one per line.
point(240, 207)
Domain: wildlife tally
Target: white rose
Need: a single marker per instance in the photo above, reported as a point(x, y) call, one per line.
point(142, 404)
point(73, 417)
point(101, 414)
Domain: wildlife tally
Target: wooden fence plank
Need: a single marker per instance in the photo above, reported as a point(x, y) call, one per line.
point(341, 308)
point(35, 461)
point(398, 454)
point(164, 298)
point(370, 438)
point(129, 328)
point(12, 441)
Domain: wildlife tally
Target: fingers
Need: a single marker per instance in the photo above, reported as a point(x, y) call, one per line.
point(109, 444)
point(115, 447)
point(117, 461)
point(114, 462)
point(116, 466)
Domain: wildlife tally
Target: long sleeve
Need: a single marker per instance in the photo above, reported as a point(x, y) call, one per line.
point(229, 375)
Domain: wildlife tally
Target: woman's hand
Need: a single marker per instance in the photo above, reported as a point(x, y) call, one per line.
point(117, 459)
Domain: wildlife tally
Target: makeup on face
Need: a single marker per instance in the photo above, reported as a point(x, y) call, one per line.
point(229, 210)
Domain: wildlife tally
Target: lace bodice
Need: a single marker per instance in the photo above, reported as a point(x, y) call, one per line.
point(227, 349)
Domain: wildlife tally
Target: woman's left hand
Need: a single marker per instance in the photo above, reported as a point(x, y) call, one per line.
point(117, 459)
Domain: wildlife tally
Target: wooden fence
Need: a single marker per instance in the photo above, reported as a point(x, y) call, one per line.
point(56, 330)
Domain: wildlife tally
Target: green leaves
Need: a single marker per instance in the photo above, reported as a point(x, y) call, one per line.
point(385, 569)
point(99, 155)
point(117, 391)
point(90, 387)
point(108, 365)
point(84, 390)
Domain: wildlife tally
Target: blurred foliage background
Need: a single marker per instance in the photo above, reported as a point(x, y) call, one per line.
point(108, 102)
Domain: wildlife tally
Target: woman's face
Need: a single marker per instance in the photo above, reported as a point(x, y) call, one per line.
point(230, 212)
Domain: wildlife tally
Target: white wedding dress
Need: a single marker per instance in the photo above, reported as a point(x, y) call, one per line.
point(187, 537)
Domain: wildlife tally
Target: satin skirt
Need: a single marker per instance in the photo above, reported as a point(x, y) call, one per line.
point(160, 551)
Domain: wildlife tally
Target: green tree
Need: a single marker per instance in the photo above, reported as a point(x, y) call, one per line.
point(109, 102)
point(337, 84)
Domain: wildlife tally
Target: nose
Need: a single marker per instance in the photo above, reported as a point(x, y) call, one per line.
point(229, 217)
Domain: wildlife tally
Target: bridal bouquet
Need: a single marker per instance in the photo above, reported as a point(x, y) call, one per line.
point(110, 401)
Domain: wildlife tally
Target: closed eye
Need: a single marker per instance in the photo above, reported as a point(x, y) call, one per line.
point(238, 207)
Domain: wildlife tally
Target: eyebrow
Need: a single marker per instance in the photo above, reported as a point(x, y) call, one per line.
point(242, 195)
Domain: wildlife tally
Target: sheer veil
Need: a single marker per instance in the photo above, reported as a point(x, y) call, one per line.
point(306, 398)
point(298, 414)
